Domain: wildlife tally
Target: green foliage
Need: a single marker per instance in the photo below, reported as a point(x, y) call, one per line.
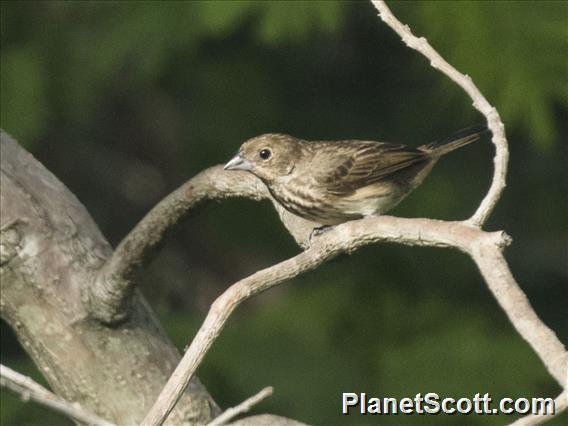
point(515, 52)
point(24, 103)
point(293, 21)
point(121, 46)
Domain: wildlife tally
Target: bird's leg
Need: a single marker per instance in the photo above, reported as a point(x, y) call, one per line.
point(316, 232)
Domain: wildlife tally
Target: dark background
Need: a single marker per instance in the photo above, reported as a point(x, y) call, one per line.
point(124, 101)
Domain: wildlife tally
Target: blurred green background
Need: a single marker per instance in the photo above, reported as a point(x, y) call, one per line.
point(124, 101)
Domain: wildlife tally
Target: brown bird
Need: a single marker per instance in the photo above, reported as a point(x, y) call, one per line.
point(331, 182)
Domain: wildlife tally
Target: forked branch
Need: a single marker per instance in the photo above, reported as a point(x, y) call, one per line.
point(485, 248)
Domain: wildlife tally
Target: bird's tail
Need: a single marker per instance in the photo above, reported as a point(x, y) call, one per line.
point(456, 140)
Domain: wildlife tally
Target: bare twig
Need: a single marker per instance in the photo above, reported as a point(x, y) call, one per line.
point(29, 389)
point(494, 122)
point(561, 404)
point(243, 407)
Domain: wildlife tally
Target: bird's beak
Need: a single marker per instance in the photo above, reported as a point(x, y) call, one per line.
point(238, 163)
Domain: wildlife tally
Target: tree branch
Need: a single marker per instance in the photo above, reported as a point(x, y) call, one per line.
point(348, 237)
point(50, 252)
point(29, 389)
point(117, 279)
point(494, 122)
point(243, 407)
point(516, 305)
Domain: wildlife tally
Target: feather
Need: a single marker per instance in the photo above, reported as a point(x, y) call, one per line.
point(368, 163)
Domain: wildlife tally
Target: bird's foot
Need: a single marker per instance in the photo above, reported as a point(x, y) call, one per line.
point(316, 232)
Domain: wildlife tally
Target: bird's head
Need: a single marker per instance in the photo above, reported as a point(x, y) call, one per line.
point(270, 156)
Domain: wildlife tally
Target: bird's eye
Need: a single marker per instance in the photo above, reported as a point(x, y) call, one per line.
point(265, 153)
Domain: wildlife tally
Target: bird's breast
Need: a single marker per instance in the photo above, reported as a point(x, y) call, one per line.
point(311, 201)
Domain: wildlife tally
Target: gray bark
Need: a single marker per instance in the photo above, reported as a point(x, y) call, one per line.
point(51, 252)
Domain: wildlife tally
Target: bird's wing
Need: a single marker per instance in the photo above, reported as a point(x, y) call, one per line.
point(369, 162)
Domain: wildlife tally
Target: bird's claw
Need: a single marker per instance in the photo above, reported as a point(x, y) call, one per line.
point(316, 232)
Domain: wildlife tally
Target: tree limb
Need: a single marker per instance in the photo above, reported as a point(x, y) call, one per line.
point(347, 237)
point(117, 279)
point(29, 389)
point(50, 253)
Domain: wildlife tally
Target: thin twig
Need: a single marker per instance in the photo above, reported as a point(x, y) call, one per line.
point(494, 122)
point(243, 407)
point(31, 390)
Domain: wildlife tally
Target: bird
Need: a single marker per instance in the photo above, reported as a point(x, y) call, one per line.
point(331, 182)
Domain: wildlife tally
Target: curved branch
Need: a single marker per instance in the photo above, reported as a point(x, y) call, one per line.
point(494, 122)
point(50, 248)
point(117, 279)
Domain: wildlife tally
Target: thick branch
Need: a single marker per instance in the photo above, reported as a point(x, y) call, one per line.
point(118, 277)
point(494, 122)
point(29, 389)
point(51, 251)
point(347, 238)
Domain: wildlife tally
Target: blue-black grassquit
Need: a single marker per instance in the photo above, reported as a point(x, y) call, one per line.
point(330, 182)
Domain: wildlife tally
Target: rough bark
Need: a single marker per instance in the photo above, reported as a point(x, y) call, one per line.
point(51, 252)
